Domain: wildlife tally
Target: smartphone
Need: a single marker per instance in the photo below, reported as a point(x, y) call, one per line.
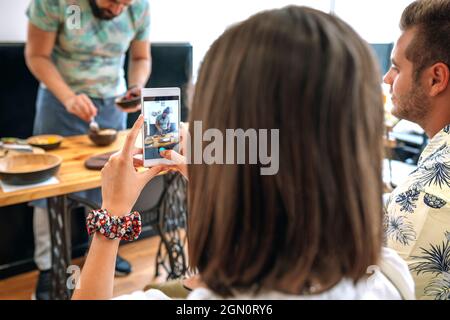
point(161, 111)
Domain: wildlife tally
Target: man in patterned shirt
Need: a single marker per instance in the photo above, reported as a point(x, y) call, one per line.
point(76, 49)
point(418, 211)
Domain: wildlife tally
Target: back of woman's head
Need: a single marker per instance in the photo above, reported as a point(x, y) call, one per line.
point(318, 219)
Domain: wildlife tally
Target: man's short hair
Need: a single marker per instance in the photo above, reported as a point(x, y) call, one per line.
point(431, 43)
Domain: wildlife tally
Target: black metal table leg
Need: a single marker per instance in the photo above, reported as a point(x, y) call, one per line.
point(172, 213)
point(59, 221)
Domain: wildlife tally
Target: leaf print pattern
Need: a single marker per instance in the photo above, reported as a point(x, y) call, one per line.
point(435, 260)
point(407, 200)
point(447, 129)
point(434, 154)
point(429, 248)
point(400, 229)
point(439, 287)
point(433, 201)
point(438, 174)
point(439, 155)
point(385, 227)
point(417, 186)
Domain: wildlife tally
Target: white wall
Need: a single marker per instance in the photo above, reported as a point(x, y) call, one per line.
point(200, 22)
point(375, 20)
point(13, 20)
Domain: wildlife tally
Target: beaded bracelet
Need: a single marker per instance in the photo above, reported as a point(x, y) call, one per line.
point(126, 228)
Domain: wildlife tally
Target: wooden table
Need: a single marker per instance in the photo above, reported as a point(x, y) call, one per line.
point(73, 176)
point(155, 141)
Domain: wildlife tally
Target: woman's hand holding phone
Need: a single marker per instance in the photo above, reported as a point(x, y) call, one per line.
point(178, 158)
point(121, 182)
point(161, 109)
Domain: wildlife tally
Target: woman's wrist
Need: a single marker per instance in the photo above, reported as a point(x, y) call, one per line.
point(99, 238)
point(116, 211)
point(127, 228)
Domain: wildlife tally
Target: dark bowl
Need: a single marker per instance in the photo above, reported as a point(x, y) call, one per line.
point(104, 137)
point(128, 103)
point(46, 142)
point(23, 169)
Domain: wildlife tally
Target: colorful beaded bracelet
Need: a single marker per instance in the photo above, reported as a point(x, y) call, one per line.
point(126, 228)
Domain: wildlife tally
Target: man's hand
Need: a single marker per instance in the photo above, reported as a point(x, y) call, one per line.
point(158, 128)
point(131, 94)
point(81, 106)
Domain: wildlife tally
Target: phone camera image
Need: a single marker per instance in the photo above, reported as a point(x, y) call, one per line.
point(161, 125)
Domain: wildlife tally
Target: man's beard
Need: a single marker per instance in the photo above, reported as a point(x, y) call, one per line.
point(413, 106)
point(103, 14)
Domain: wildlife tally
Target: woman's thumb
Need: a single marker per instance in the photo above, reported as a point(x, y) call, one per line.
point(149, 174)
point(172, 155)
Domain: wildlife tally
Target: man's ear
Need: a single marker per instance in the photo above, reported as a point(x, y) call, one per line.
point(438, 75)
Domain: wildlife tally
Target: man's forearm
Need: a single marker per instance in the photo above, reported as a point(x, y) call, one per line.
point(139, 72)
point(46, 72)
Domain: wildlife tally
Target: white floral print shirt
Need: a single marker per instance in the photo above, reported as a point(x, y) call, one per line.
point(417, 220)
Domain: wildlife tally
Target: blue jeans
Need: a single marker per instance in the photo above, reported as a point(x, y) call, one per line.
point(53, 118)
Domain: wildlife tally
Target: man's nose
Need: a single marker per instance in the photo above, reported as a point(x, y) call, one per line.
point(387, 78)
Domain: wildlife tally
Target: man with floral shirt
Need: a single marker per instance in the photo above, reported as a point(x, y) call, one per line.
point(418, 211)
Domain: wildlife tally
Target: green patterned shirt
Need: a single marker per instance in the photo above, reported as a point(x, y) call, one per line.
point(90, 56)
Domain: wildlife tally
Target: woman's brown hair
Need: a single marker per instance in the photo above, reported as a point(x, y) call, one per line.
point(319, 219)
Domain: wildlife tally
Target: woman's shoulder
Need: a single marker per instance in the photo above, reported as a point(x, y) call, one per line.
point(377, 285)
point(396, 272)
point(391, 257)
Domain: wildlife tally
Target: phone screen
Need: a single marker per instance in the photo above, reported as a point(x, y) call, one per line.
point(161, 125)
